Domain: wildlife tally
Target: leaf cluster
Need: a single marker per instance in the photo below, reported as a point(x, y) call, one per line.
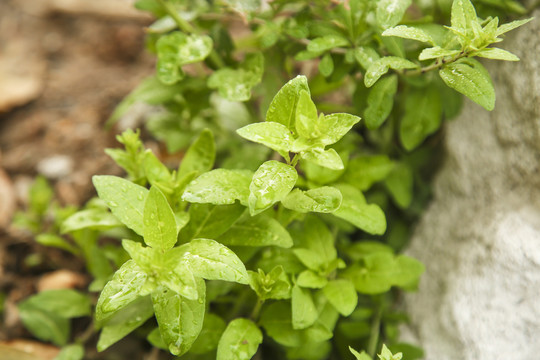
point(288, 242)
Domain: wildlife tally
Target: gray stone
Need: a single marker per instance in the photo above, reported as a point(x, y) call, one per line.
point(480, 238)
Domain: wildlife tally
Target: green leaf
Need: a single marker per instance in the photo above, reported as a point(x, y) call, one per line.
point(400, 185)
point(244, 6)
point(126, 285)
point(145, 257)
point(219, 187)
point(410, 271)
point(326, 66)
point(329, 159)
point(422, 117)
point(325, 199)
point(95, 219)
point(213, 261)
point(342, 295)
point(365, 56)
point(44, 325)
point(235, 85)
point(504, 28)
point(40, 195)
point(210, 221)
point(65, 303)
point(240, 340)
point(326, 43)
point(306, 117)
point(364, 171)
point(180, 320)
point(125, 321)
point(159, 221)
point(304, 312)
point(354, 209)
point(315, 244)
point(375, 275)
point(200, 156)
point(390, 12)
point(124, 198)
point(380, 67)
point(470, 78)
point(496, 54)
point(274, 285)
point(271, 182)
point(71, 352)
point(309, 279)
point(380, 102)
point(257, 231)
point(213, 328)
point(276, 320)
point(360, 356)
point(282, 109)
point(463, 15)
point(436, 52)
point(321, 175)
point(379, 271)
point(274, 135)
point(334, 126)
point(57, 242)
point(386, 354)
point(177, 49)
point(409, 32)
point(157, 173)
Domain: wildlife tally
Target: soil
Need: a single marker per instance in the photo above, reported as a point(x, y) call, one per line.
point(64, 65)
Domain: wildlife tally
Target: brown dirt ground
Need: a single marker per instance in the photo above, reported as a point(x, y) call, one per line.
point(64, 65)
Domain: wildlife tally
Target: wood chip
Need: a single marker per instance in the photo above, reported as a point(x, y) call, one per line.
point(60, 279)
point(20, 349)
point(8, 199)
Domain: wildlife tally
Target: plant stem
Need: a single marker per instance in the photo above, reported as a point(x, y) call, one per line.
point(256, 310)
point(375, 330)
point(87, 334)
point(294, 160)
point(182, 24)
point(436, 65)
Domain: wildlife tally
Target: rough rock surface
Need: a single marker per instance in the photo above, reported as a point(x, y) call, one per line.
point(480, 238)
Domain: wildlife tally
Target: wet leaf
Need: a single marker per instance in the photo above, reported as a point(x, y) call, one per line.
point(219, 187)
point(390, 12)
point(200, 155)
point(180, 320)
point(325, 199)
point(213, 261)
point(470, 78)
point(240, 340)
point(160, 230)
point(257, 231)
point(282, 109)
point(271, 182)
point(368, 217)
point(124, 198)
point(272, 134)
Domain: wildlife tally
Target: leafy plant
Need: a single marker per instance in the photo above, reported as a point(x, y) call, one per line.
point(285, 245)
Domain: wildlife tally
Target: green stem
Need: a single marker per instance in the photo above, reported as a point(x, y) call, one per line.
point(256, 310)
point(87, 334)
point(439, 63)
point(182, 24)
point(295, 160)
point(375, 331)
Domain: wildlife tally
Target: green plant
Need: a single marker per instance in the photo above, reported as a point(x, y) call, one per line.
point(281, 250)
